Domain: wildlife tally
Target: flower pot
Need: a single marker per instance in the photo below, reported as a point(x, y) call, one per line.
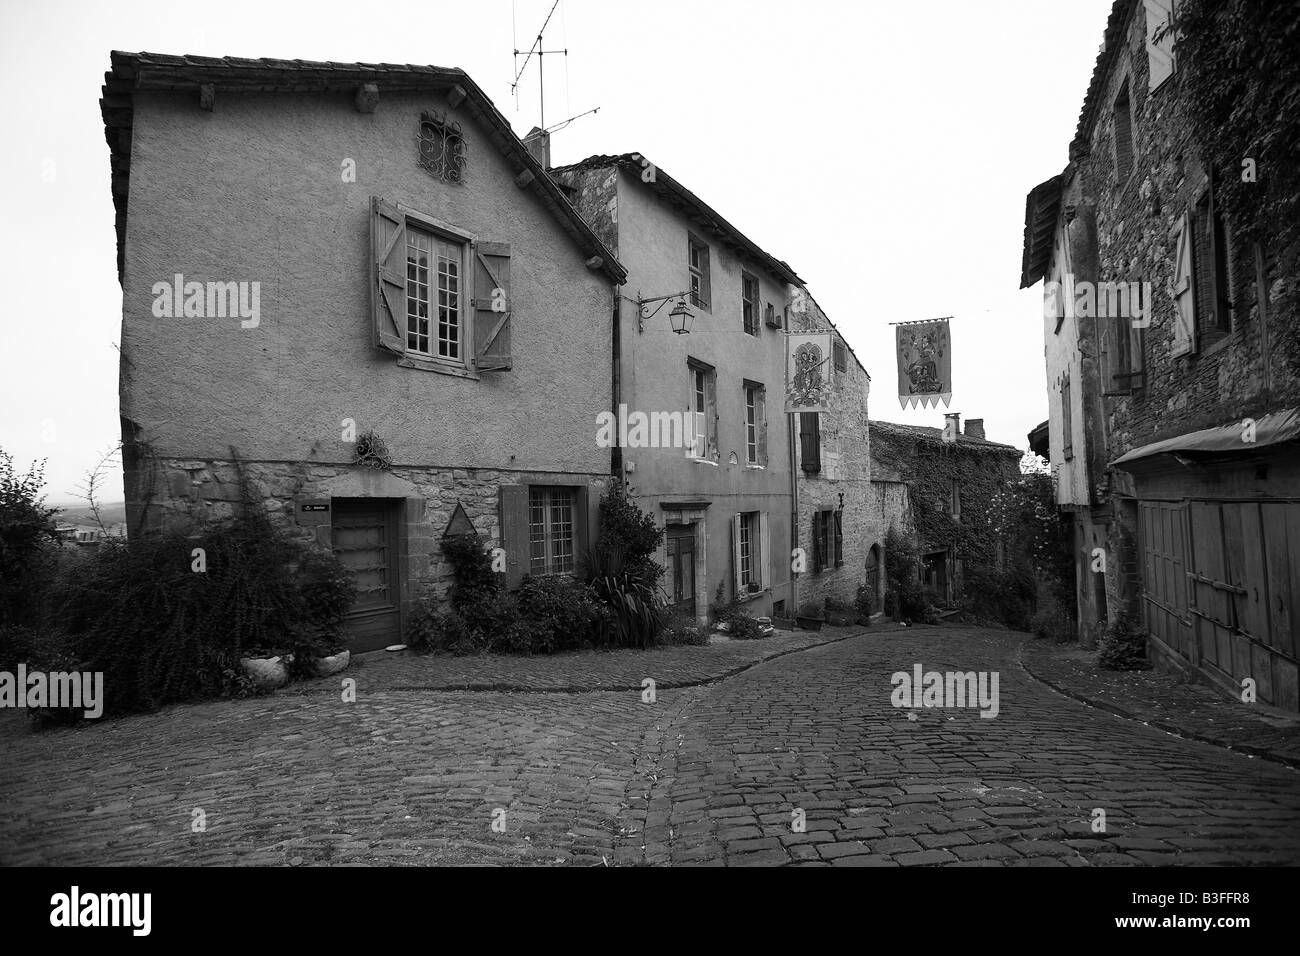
point(266, 673)
point(325, 666)
point(810, 623)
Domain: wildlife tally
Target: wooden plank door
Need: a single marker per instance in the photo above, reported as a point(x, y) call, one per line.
point(681, 568)
point(1163, 535)
point(365, 540)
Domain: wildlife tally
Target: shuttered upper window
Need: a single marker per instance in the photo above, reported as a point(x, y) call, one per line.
point(704, 409)
point(749, 302)
point(434, 268)
point(1160, 41)
point(697, 260)
point(755, 424)
point(438, 301)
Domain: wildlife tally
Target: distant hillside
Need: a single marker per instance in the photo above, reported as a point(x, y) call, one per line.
point(111, 513)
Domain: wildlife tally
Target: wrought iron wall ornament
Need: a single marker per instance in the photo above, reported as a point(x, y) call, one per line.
point(372, 452)
point(442, 147)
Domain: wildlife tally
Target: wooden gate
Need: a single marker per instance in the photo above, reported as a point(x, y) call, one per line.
point(1221, 586)
point(365, 540)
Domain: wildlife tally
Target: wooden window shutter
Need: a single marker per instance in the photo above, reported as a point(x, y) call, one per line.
point(1184, 289)
point(1116, 359)
point(1137, 365)
point(760, 419)
point(514, 532)
point(586, 515)
point(839, 538)
point(388, 279)
point(1067, 421)
point(1221, 317)
point(818, 541)
point(1160, 52)
point(764, 552)
point(711, 413)
point(737, 571)
point(493, 305)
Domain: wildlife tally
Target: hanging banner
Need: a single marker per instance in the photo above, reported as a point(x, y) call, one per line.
point(924, 363)
point(808, 371)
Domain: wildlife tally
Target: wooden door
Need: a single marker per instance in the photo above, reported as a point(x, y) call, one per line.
point(365, 540)
point(1164, 543)
point(681, 568)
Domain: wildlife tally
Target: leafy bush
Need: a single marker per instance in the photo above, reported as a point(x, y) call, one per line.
point(1004, 595)
point(1123, 646)
point(471, 567)
point(1052, 620)
point(626, 529)
point(565, 612)
point(163, 632)
point(28, 539)
point(741, 625)
point(865, 602)
point(681, 629)
point(902, 572)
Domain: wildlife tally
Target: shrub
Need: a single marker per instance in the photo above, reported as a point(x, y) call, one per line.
point(636, 616)
point(565, 612)
point(471, 569)
point(1052, 620)
point(1123, 646)
point(1004, 595)
point(681, 629)
point(903, 572)
point(740, 623)
point(865, 602)
point(163, 632)
point(27, 534)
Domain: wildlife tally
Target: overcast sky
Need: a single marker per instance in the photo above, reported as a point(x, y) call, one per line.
point(882, 149)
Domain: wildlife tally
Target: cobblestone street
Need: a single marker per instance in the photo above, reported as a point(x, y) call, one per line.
point(705, 774)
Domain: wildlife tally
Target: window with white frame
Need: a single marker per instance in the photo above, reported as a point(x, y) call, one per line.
point(704, 401)
point(749, 303)
point(551, 529)
point(749, 549)
point(434, 313)
point(697, 253)
point(755, 422)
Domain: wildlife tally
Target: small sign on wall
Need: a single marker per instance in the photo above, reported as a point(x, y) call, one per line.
point(314, 511)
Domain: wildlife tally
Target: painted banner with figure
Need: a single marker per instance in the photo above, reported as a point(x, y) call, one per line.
point(924, 363)
point(809, 371)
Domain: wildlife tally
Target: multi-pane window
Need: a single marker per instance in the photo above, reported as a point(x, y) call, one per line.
point(828, 539)
point(433, 300)
point(551, 530)
point(749, 575)
point(698, 263)
point(704, 409)
point(751, 425)
point(749, 302)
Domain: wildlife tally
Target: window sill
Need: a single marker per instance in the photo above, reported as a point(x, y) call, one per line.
point(1217, 343)
point(704, 461)
point(756, 467)
point(753, 595)
point(433, 365)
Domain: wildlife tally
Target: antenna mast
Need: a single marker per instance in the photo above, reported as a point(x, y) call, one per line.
point(541, 74)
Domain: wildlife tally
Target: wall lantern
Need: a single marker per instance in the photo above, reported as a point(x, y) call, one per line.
point(679, 317)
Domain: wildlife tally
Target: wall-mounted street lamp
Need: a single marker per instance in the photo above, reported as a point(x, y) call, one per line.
point(680, 316)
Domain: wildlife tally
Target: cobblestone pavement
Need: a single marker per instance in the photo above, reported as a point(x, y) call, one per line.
point(1168, 701)
point(706, 774)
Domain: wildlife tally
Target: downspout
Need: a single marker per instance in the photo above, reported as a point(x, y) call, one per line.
point(616, 452)
point(794, 517)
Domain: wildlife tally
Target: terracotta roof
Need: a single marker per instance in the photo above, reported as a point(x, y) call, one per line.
point(927, 433)
point(697, 208)
point(159, 71)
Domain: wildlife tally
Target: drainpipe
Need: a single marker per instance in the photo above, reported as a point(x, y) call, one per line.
point(616, 453)
point(794, 516)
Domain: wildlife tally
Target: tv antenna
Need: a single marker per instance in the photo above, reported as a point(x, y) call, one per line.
point(541, 73)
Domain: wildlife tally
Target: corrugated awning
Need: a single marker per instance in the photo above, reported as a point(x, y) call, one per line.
point(1270, 429)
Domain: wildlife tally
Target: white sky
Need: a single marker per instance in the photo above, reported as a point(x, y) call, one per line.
point(883, 149)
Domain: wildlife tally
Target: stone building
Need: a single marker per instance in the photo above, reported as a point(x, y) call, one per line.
point(1174, 397)
point(840, 531)
point(939, 484)
point(725, 501)
point(316, 255)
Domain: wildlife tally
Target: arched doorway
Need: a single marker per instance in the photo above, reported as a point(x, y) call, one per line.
point(875, 577)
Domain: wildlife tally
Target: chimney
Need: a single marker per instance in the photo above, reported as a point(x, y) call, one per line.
point(539, 144)
point(974, 428)
point(952, 425)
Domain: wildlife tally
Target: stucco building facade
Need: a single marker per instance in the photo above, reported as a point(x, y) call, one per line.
point(399, 267)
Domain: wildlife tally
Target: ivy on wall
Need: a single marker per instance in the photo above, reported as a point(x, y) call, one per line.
point(1239, 87)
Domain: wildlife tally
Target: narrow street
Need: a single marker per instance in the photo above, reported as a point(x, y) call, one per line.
point(708, 774)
